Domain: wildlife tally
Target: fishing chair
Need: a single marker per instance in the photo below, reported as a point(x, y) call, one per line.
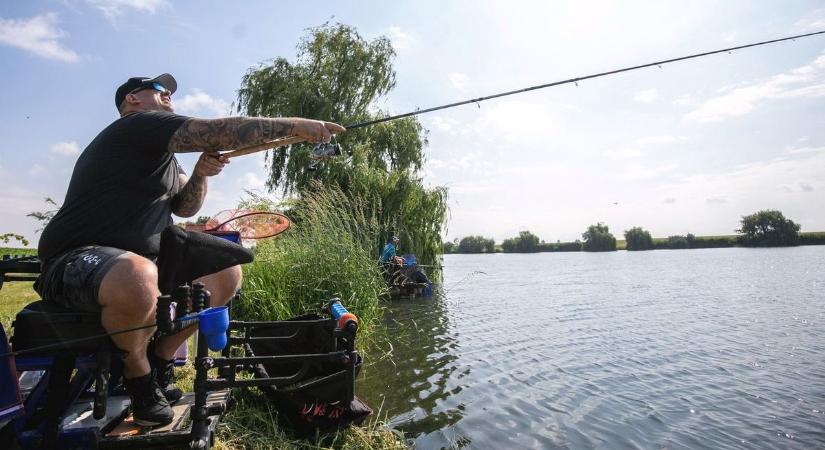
point(307, 365)
point(79, 354)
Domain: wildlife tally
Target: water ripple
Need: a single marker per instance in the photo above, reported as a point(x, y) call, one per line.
point(717, 349)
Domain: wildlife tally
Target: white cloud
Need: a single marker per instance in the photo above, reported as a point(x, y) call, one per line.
point(458, 80)
point(401, 40)
point(519, 121)
point(801, 186)
point(796, 151)
point(641, 172)
point(624, 153)
point(66, 148)
point(199, 102)
point(114, 8)
point(683, 100)
point(670, 200)
point(753, 186)
point(814, 21)
point(806, 81)
point(646, 96)
point(39, 35)
point(37, 170)
point(660, 140)
point(250, 181)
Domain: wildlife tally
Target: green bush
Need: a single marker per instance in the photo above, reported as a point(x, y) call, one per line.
point(525, 242)
point(812, 238)
point(768, 228)
point(638, 239)
point(476, 244)
point(598, 238)
point(328, 252)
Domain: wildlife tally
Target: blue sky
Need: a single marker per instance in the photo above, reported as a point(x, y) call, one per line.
point(690, 147)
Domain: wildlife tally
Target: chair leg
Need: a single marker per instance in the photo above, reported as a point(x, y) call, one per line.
point(59, 377)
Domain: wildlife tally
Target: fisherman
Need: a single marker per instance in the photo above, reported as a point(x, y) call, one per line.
point(392, 263)
point(388, 256)
point(98, 251)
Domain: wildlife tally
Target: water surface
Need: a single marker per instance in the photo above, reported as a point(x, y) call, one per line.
point(715, 348)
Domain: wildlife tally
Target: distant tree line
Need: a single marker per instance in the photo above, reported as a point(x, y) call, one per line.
point(766, 228)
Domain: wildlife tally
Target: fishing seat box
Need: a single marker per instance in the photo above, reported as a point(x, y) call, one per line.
point(46, 323)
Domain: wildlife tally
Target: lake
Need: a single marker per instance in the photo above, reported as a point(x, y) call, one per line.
point(713, 348)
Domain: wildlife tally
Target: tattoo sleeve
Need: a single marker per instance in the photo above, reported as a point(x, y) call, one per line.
point(229, 133)
point(188, 201)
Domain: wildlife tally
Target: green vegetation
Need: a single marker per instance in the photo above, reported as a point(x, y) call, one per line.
point(768, 228)
point(328, 252)
point(812, 238)
point(252, 423)
point(339, 76)
point(12, 237)
point(525, 242)
point(476, 244)
point(598, 238)
point(637, 238)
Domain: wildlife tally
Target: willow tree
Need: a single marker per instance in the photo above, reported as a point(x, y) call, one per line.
point(339, 76)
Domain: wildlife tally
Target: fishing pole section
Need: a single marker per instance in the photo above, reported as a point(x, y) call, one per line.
point(325, 151)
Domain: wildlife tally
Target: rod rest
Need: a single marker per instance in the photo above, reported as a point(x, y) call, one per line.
point(182, 309)
point(188, 255)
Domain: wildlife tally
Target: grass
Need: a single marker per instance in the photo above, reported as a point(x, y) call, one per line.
point(252, 423)
point(329, 253)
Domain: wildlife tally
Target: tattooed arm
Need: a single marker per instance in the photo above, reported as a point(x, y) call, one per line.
point(188, 201)
point(230, 133)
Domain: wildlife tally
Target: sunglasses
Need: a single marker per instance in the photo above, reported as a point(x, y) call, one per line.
point(156, 86)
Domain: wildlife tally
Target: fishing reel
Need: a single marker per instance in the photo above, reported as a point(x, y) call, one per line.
point(324, 151)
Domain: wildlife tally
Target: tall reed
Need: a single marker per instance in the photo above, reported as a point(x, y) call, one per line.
point(328, 252)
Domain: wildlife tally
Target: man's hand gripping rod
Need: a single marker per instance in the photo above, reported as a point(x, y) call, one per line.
point(321, 151)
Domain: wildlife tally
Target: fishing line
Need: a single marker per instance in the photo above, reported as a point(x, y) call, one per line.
point(576, 80)
point(88, 338)
point(467, 277)
point(324, 151)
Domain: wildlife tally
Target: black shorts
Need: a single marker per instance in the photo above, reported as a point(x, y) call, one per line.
point(72, 279)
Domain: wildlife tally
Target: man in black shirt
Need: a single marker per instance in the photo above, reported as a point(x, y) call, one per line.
point(98, 250)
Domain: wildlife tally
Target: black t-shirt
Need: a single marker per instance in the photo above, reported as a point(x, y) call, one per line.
point(121, 189)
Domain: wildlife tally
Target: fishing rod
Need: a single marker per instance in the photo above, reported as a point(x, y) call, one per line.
point(326, 151)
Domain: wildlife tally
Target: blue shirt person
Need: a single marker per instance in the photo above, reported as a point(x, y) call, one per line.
point(389, 253)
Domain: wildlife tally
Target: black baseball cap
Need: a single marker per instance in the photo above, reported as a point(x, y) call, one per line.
point(165, 80)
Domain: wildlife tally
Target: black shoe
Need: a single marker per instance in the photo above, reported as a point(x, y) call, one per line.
point(165, 375)
point(149, 407)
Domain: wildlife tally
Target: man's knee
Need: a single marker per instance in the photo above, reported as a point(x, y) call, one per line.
point(234, 277)
point(132, 279)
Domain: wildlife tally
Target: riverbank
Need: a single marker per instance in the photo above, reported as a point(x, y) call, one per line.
point(668, 243)
point(253, 422)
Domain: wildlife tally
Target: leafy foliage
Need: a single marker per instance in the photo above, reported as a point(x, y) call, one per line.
point(450, 246)
point(17, 237)
point(327, 253)
point(598, 238)
point(525, 242)
point(44, 217)
point(476, 244)
point(638, 239)
point(768, 228)
point(339, 76)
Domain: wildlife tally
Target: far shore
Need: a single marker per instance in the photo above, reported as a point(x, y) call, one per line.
point(718, 241)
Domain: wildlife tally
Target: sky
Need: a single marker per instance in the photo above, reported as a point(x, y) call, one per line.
point(690, 147)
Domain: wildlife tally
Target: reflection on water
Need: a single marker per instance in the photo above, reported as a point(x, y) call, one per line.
point(717, 348)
